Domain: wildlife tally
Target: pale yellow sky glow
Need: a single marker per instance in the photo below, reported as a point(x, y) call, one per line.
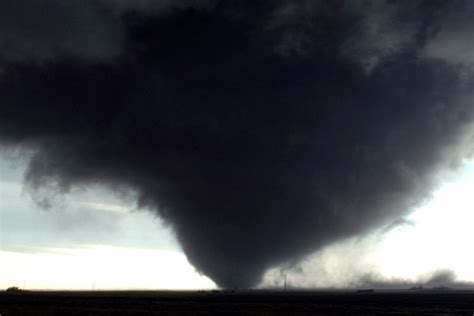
point(101, 268)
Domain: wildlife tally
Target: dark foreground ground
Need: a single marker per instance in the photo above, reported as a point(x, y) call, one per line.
point(239, 303)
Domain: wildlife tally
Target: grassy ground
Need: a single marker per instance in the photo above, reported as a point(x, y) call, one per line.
point(239, 303)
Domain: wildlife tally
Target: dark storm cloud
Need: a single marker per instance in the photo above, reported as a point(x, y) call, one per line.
point(155, 7)
point(39, 31)
point(373, 30)
point(259, 130)
point(452, 41)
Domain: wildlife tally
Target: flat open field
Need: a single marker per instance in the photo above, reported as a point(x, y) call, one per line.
point(426, 302)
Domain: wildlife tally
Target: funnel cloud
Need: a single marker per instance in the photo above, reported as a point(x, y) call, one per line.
point(260, 131)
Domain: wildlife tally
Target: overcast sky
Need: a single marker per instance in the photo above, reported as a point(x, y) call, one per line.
point(242, 140)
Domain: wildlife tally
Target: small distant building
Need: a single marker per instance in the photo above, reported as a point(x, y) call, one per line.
point(366, 291)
